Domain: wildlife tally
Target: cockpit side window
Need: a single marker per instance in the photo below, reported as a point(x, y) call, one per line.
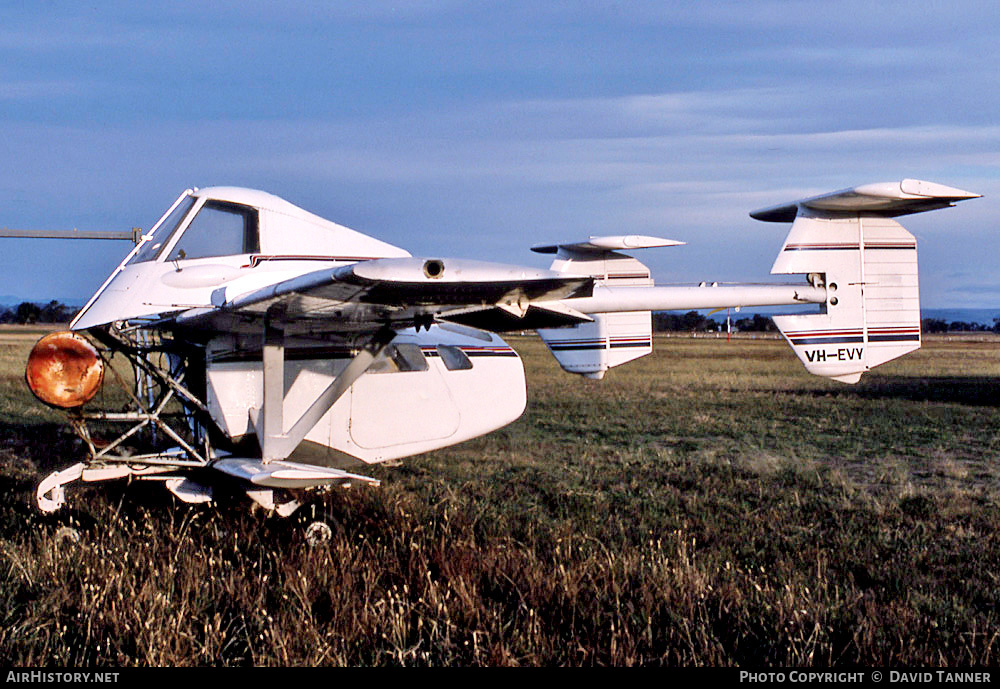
point(151, 249)
point(219, 229)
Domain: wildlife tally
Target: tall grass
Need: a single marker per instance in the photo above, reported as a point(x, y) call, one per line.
point(709, 505)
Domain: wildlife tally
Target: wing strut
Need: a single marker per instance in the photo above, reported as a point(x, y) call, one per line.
point(268, 422)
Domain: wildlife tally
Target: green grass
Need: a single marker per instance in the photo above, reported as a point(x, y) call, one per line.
point(711, 504)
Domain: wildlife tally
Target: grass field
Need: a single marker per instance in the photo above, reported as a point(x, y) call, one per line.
point(712, 504)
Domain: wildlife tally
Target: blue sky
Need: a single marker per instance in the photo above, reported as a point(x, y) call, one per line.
point(479, 129)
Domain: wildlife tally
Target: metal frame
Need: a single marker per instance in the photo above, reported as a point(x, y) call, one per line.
point(154, 389)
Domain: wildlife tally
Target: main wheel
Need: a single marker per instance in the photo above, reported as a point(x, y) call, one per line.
point(318, 533)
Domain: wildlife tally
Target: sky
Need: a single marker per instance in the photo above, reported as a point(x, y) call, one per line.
point(477, 129)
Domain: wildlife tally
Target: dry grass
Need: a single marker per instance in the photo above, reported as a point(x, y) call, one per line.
point(709, 505)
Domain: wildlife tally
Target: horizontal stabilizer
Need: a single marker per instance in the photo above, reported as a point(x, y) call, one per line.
point(888, 199)
point(609, 243)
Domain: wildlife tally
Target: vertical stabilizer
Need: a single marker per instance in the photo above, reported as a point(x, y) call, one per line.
point(848, 243)
point(611, 339)
point(872, 314)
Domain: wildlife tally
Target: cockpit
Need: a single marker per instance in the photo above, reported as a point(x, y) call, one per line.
point(223, 237)
point(202, 228)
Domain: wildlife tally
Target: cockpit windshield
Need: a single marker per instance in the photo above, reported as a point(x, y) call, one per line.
point(219, 229)
point(149, 250)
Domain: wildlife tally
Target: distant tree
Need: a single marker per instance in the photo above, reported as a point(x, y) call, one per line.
point(691, 321)
point(27, 312)
point(934, 325)
point(757, 324)
point(665, 322)
point(54, 312)
point(963, 327)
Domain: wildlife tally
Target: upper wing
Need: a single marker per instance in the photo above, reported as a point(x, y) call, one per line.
point(401, 292)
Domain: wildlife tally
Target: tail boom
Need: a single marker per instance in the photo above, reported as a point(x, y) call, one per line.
point(624, 297)
point(703, 296)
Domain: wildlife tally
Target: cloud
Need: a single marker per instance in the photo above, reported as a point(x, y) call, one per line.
point(479, 129)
